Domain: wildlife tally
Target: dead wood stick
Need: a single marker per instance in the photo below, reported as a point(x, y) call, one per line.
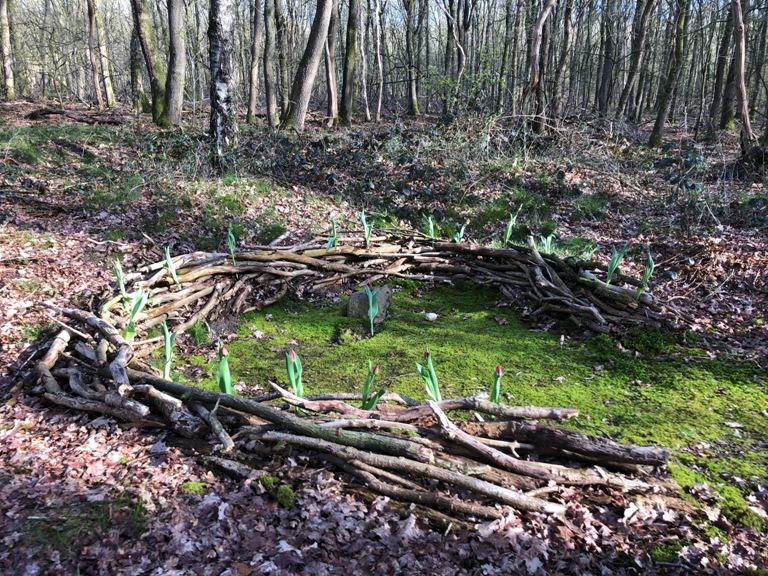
point(368, 475)
point(85, 405)
point(450, 431)
point(153, 392)
point(175, 305)
point(234, 269)
point(480, 405)
point(322, 407)
point(503, 495)
point(361, 440)
point(571, 440)
point(101, 352)
point(210, 418)
point(43, 367)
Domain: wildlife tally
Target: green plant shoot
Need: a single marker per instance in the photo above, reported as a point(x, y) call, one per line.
point(430, 377)
point(367, 229)
point(616, 257)
point(139, 299)
point(546, 245)
point(168, 338)
point(370, 403)
point(171, 267)
point(496, 388)
point(649, 267)
point(118, 270)
point(458, 236)
point(232, 242)
point(333, 240)
point(223, 377)
point(373, 306)
point(510, 226)
point(430, 228)
point(293, 366)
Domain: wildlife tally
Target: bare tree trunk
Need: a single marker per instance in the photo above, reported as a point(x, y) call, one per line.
point(284, 72)
point(534, 61)
point(351, 58)
point(332, 110)
point(557, 97)
point(257, 32)
point(410, 56)
point(5, 48)
point(379, 64)
point(307, 69)
point(141, 20)
point(270, 79)
point(676, 58)
point(92, 52)
point(177, 61)
point(636, 52)
point(747, 137)
point(109, 91)
point(603, 92)
point(722, 59)
point(365, 30)
point(223, 124)
point(501, 83)
point(139, 98)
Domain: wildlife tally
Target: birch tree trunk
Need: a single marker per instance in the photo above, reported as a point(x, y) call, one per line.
point(332, 109)
point(410, 57)
point(307, 69)
point(177, 61)
point(270, 79)
point(223, 124)
point(351, 59)
point(5, 48)
point(257, 32)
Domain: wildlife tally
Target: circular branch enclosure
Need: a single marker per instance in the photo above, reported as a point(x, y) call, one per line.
point(401, 448)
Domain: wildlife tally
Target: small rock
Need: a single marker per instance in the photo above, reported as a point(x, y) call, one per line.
point(430, 316)
point(358, 303)
point(733, 425)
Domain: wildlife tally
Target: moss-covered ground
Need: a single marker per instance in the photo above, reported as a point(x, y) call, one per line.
point(648, 388)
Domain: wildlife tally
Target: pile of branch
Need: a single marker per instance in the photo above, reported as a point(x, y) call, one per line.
point(212, 284)
point(401, 449)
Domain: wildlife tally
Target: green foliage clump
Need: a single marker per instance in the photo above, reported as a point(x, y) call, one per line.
point(666, 551)
point(285, 496)
point(198, 334)
point(269, 482)
point(193, 488)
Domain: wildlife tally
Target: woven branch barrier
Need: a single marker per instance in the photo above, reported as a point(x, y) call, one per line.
point(505, 457)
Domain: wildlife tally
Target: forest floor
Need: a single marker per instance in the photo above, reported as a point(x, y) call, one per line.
point(87, 495)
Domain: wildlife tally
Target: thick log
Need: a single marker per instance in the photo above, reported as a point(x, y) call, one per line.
point(569, 440)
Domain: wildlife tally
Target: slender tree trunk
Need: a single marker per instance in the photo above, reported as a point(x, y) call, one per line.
point(284, 72)
point(141, 20)
point(534, 60)
point(539, 116)
point(747, 137)
point(501, 83)
point(177, 61)
point(223, 124)
point(410, 56)
point(270, 78)
point(557, 96)
point(92, 52)
point(5, 48)
point(676, 58)
point(351, 59)
point(257, 32)
point(379, 63)
point(332, 111)
point(609, 48)
point(722, 59)
point(364, 39)
point(636, 52)
point(109, 91)
point(138, 97)
point(307, 69)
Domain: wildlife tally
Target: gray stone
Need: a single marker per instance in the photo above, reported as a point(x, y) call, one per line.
point(358, 303)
